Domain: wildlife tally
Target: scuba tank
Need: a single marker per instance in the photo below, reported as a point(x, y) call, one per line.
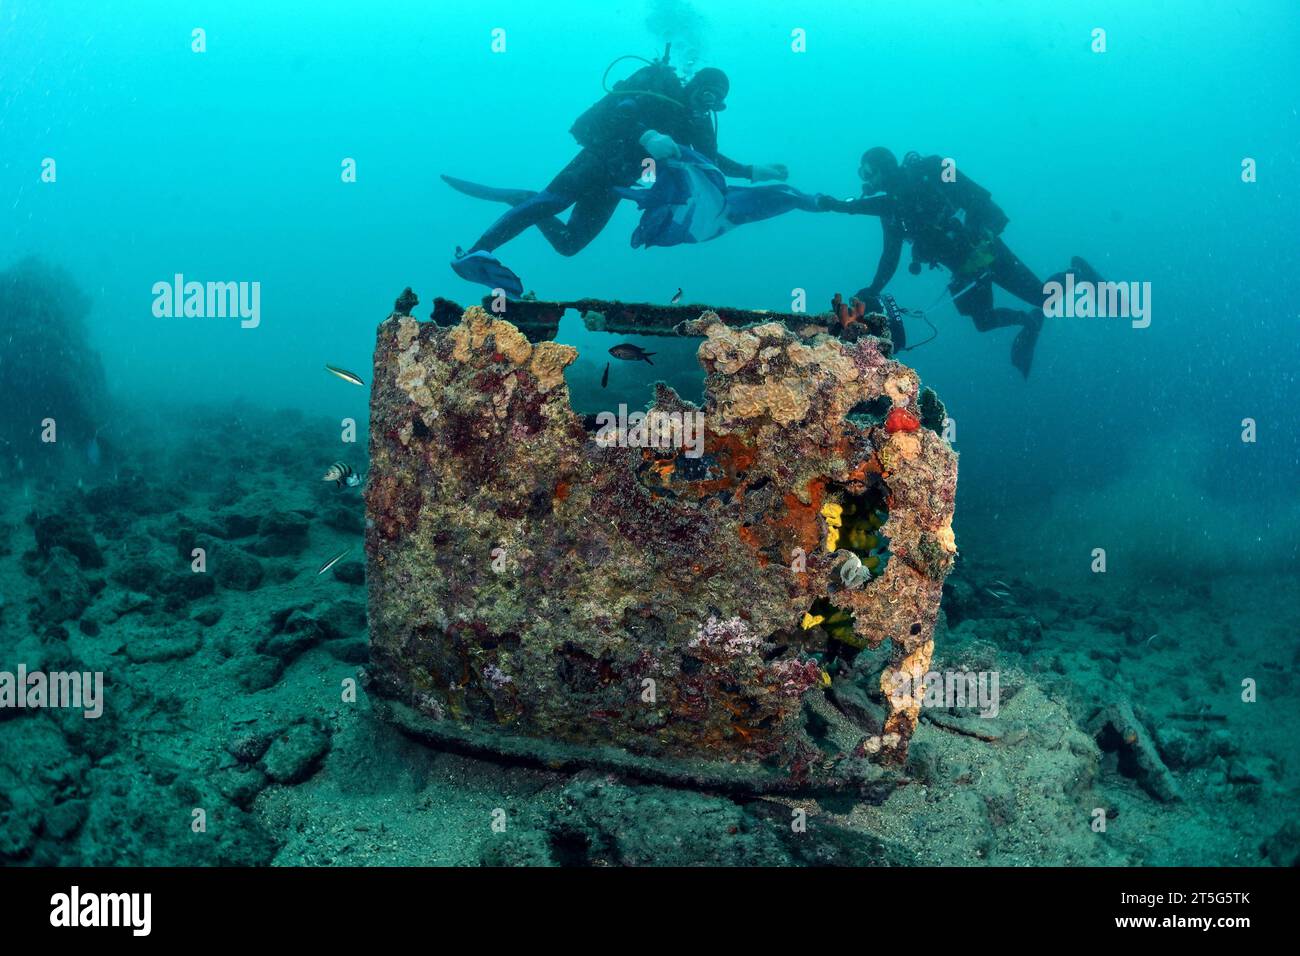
point(967, 230)
point(928, 219)
point(657, 79)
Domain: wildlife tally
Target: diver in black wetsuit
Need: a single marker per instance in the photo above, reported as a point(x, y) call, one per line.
point(954, 224)
point(647, 115)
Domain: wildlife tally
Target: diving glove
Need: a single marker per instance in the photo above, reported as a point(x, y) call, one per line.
point(659, 145)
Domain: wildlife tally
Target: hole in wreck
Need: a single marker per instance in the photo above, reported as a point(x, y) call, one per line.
point(856, 527)
point(630, 383)
point(861, 520)
point(870, 413)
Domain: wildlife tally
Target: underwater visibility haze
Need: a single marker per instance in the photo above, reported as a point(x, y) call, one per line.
point(352, 547)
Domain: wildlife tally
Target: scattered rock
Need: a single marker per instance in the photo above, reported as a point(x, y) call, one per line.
point(296, 753)
point(602, 821)
point(923, 762)
point(249, 747)
point(256, 672)
point(852, 699)
point(350, 520)
point(229, 492)
point(534, 848)
point(187, 539)
point(20, 822)
point(987, 729)
point(128, 602)
point(1186, 751)
point(1283, 847)
point(1249, 772)
point(350, 572)
point(133, 822)
point(238, 570)
point(39, 768)
point(282, 572)
point(1116, 729)
point(292, 634)
point(130, 494)
point(143, 575)
point(65, 594)
point(208, 616)
point(344, 618)
point(349, 650)
point(57, 633)
point(296, 629)
point(232, 524)
point(63, 531)
point(163, 645)
point(64, 819)
point(240, 785)
point(184, 587)
point(1000, 799)
point(281, 533)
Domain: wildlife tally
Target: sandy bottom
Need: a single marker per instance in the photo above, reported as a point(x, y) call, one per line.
point(229, 735)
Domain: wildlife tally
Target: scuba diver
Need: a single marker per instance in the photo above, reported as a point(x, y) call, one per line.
point(651, 114)
point(954, 224)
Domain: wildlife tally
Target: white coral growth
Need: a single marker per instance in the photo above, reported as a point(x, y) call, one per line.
point(731, 635)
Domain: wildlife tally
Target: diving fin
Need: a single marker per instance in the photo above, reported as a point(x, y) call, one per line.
point(511, 197)
point(484, 268)
point(1022, 349)
point(1083, 271)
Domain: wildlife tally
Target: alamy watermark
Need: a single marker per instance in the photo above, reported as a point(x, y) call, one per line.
point(208, 300)
point(1102, 300)
point(76, 690)
point(974, 689)
point(77, 909)
point(653, 429)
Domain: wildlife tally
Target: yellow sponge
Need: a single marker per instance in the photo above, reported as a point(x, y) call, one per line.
point(834, 515)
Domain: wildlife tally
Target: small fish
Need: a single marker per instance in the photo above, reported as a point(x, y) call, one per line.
point(1000, 595)
point(604, 379)
point(344, 374)
point(341, 474)
point(678, 297)
point(631, 353)
point(92, 449)
point(332, 561)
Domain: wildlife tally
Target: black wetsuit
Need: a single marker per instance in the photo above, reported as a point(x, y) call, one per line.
point(612, 156)
point(955, 225)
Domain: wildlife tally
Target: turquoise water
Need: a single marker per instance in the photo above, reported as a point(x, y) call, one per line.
point(225, 165)
point(228, 165)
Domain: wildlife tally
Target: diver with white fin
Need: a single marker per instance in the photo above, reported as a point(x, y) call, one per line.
point(651, 114)
point(954, 223)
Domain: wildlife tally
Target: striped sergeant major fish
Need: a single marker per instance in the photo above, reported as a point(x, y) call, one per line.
point(341, 474)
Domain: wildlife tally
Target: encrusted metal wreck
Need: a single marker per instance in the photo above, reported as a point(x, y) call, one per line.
point(543, 594)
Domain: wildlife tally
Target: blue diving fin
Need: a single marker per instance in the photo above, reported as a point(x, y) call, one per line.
point(484, 268)
point(512, 197)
